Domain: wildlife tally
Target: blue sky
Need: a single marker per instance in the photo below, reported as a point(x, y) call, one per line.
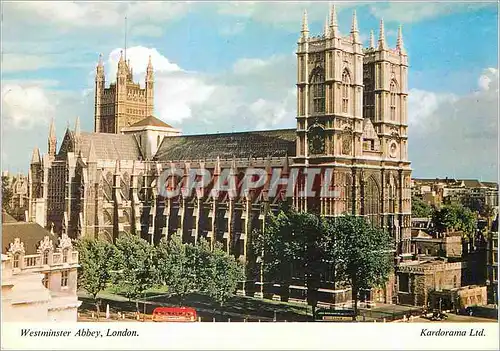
point(230, 66)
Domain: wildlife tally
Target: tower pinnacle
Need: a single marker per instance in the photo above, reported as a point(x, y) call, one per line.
point(333, 21)
point(381, 36)
point(372, 40)
point(354, 28)
point(305, 27)
point(327, 28)
point(399, 44)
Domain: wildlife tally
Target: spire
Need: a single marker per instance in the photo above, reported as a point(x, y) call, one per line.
point(305, 27)
point(372, 40)
point(399, 44)
point(327, 28)
point(35, 157)
point(99, 62)
point(52, 130)
point(77, 126)
point(150, 64)
point(381, 36)
point(121, 56)
point(333, 21)
point(354, 28)
point(52, 142)
point(92, 156)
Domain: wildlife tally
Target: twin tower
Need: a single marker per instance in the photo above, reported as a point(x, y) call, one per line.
point(351, 100)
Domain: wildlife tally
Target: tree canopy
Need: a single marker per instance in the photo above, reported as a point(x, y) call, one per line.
point(419, 208)
point(455, 217)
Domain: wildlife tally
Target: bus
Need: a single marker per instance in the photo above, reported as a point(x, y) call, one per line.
point(334, 315)
point(174, 314)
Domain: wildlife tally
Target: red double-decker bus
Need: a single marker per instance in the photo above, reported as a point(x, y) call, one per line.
point(174, 314)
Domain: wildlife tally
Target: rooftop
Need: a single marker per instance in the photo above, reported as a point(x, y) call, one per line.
point(151, 121)
point(29, 233)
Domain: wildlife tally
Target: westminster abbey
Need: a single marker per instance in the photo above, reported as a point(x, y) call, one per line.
point(351, 119)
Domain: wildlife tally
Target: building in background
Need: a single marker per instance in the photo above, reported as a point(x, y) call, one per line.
point(492, 263)
point(39, 274)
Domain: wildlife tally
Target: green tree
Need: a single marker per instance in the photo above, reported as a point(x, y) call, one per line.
point(6, 194)
point(177, 266)
point(222, 276)
point(277, 245)
point(455, 217)
point(134, 266)
point(363, 255)
point(95, 266)
point(419, 208)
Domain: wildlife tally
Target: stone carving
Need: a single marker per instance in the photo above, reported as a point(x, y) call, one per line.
point(45, 244)
point(65, 241)
point(17, 246)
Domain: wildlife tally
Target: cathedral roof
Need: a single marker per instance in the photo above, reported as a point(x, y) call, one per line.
point(109, 146)
point(258, 144)
point(151, 121)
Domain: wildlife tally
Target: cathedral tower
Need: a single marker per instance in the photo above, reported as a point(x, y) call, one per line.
point(329, 91)
point(124, 102)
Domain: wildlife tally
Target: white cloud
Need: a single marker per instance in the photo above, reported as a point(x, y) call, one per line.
point(25, 107)
point(456, 136)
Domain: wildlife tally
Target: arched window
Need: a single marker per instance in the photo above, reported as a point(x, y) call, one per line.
point(346, 85)
point(46, 257)
point(318, 91)
point(65, 255)
point(393, 91)
point(371, 206)
point(15, 261)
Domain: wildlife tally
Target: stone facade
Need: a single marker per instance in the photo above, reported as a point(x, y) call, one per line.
point(351, 123)
point(416, 280)
point(39, 274)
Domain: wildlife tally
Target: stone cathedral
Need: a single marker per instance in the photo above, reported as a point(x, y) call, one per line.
point(351, 119)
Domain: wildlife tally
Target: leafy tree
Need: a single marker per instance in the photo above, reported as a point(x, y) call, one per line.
point(134, 266)
point(363, 253)
point(223, 274)
point(478, 205)
point(95, 266)
point(293, 239)
point(6, 194)
point(455, 217)
point(177, 266)
point(419, 208)
point(276, 243)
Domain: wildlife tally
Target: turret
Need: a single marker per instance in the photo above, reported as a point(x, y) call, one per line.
point(399, 44)
point(334, 27)
point(149, 88)
point(381, 36)
point(99, 91)
point(354, 29)
point(372, 40)
point(304, 32)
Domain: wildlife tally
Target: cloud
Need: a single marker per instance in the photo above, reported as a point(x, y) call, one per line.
point(456, 136)
point(416, 12)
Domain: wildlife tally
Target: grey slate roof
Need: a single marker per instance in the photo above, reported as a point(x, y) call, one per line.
point(261, 144)
point(109, 146)
point(151, 121)
point(29, 233)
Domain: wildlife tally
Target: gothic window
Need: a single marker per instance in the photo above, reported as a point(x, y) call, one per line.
point(46, 257)
point(346, 85)
point(393, 92)
point(64, 278)
point(65, 255)
point(371, 208)
point(15, 261)
point(318, 90)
